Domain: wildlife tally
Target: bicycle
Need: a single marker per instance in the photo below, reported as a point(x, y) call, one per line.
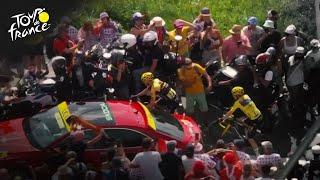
point(230, 129)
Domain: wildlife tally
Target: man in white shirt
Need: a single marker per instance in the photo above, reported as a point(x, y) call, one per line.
point(269, 158)
point(148, 161)
point(188, 159)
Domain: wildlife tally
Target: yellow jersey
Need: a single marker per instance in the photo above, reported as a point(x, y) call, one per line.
point(162, 88)
point(247, 106)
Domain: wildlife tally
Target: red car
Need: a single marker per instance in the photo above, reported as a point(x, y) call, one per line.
point(32, 140)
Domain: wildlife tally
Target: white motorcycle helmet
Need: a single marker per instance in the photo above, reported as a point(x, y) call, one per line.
point(150, 36)
point(128, 40)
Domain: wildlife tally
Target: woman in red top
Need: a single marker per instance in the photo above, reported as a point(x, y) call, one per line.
point(233, 168)
point(199, 171)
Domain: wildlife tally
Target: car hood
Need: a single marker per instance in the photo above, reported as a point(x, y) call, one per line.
point(190, 128)
point(13, 138)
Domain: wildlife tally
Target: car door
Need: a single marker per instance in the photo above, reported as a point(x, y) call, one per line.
point(131, 139)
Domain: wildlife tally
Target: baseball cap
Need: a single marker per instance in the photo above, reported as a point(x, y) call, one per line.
point(205, 11)
point(137, 15)
point(315, 149)
point(171, 145)
point(253, 20)
point(198, 147)
point(314, 43)
point(300, 50)
point(178, 24)
point(104, 15)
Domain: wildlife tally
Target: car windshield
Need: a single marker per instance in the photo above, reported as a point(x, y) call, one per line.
point(167, 124)
point(46, 127)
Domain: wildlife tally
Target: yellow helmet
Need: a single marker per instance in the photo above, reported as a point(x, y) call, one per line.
point(147, 76)
point(237, 91)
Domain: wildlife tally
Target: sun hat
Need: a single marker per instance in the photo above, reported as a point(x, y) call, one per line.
point(104, 15)
point(236, 29)
point(253, 20)
point(300, 50)
point(291, 29)
point(268, 24)
point(158, 21)
point(205, 12)
point(178, 24)
point(137, 15)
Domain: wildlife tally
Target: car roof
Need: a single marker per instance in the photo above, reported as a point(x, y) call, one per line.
point(112, 113)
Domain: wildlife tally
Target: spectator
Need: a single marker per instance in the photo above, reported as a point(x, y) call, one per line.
point(72, 31)
point(122, 156)
point(139, 28)
point(239, 146)
point(194, 38)
point(106, 166)
point(288, 44)
point(190, 75)
point(171, 165)
point(106, 29)
point(87, 35)
point(253, 32)
point(273, 16)
point(198, 172)
point(204, 19)
point(235, 45)
point(204, 157)
point(312, 73)
point(63, 172)
point(268, 158)
point(211, 41)
point(188, 159)
point(248, 171)
point(117, 172)
point(148, 161)
point(63, 46)
point(270, 38)
point(4, 174)
point(120, 74)
point(79, 169)
point(233, 167)
point(91, 173)
point(265, 173)
point(314, 168)
point(157, 24)
point(182, 28)
point(295, 80)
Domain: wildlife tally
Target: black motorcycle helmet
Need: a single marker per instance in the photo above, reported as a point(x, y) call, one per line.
point(59, 65)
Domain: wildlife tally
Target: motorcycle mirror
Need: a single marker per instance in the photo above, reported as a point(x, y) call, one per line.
point(178, 38)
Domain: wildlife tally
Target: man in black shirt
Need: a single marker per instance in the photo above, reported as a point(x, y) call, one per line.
point(171, 165)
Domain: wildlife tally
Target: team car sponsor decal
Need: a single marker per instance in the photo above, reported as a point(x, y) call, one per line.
point(106, 111)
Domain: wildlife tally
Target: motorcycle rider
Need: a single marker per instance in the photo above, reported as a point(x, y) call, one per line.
point(157, 87)
point(253, 114)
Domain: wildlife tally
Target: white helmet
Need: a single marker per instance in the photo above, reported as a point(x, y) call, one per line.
point(150, 36)
point(128, 40)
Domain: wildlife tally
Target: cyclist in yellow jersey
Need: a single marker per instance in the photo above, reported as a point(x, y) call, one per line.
point(248, 107)
point(156, 87)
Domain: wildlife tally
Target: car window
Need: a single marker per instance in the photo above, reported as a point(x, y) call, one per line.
point(128, 137)
point(102, 144)
point(167, 124)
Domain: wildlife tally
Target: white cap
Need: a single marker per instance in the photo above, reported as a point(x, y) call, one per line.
point(268, 24)
point(198, 147)
point(314, 43)
point(315, 149)
point(300, 50)
point(291, 29)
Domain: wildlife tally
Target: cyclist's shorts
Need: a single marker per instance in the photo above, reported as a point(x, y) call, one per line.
point(256, 124)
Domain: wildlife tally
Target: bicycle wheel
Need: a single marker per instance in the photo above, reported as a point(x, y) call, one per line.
point(216, 132)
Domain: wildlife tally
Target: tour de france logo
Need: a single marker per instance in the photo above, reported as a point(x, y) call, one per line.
point(26, 24)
